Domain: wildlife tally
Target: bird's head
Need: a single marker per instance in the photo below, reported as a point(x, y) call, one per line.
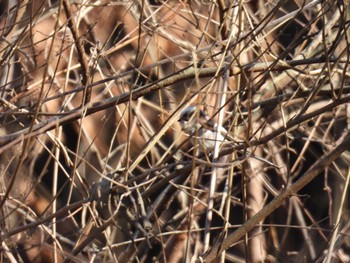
point(192, 120)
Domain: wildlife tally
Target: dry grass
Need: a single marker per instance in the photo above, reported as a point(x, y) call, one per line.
point(94, 165)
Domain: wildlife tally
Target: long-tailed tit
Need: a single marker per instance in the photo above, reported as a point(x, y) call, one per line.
point(196, 123)
point(205, 132)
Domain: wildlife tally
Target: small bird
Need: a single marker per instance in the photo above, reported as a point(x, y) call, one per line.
point(201, 128)
point(205, 132)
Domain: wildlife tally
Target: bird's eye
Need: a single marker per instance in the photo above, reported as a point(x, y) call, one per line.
point(202, 114)
point(186, 116)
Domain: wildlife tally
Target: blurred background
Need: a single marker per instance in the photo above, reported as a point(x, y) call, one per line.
point(94, 166)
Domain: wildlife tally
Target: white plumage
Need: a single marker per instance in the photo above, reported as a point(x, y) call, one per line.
point(203, 131)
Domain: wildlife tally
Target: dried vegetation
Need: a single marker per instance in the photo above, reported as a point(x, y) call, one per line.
point(94, 166)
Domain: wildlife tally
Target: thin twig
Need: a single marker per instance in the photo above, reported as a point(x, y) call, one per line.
point(82, 58)
point(324, 161)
